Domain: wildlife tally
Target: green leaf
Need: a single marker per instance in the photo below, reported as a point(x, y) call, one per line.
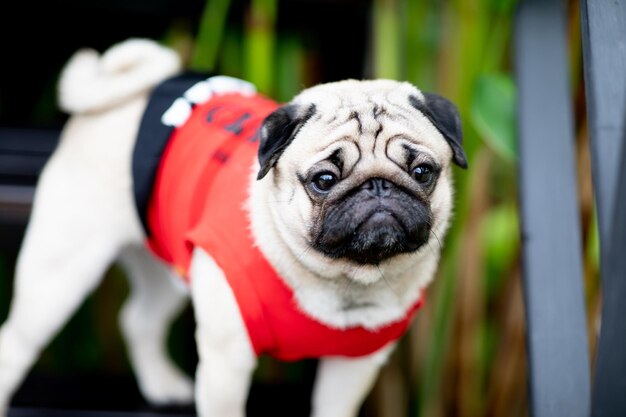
point(259, 46)
point(289, 67)
point(210, 34)
point(386, 49)
point(500, 238)
point(493, 113)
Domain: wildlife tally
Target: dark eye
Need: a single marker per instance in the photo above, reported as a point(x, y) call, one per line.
point(324, 181)
point(423, 173)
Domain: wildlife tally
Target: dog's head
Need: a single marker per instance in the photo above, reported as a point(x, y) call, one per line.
point(360, 170)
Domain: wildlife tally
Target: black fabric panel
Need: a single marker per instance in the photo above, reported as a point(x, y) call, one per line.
point(153, 137)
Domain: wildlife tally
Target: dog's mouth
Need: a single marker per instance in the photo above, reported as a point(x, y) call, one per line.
point(369, 229)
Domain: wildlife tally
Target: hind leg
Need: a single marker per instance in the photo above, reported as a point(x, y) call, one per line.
point(83, 214)
point(63, 257)
point(145, 319)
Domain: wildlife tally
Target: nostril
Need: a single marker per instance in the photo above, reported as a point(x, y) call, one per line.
point(377, 186)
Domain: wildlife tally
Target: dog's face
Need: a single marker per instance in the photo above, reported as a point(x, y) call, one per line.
point(360, 171)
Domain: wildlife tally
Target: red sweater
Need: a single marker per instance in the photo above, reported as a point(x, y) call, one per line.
point(199, 198)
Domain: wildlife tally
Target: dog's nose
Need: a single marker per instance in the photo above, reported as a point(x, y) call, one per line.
point(378, 187)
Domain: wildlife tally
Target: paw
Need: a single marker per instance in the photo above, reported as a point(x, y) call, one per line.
point(171, 387)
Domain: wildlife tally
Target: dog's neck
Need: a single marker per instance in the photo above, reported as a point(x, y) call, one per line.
point(339, 293)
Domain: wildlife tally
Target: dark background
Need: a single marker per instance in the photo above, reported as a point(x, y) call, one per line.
point(38, 37)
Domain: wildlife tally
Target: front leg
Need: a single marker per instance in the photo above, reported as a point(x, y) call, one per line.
point(343, 383)
point(226, 356)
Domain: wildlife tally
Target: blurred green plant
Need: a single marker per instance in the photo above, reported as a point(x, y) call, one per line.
point(209, 37)
point(493, 113)
point(260, 44)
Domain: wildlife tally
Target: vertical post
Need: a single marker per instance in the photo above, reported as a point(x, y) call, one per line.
point(553, 288)
point(604, 52)
point(609, 394)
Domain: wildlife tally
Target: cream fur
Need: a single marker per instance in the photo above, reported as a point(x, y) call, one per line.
point(84, 218)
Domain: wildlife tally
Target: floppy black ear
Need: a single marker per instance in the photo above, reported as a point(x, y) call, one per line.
point(277, 132)
point(445, 116)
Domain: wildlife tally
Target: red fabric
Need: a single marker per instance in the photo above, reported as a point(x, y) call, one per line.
point(199, 196)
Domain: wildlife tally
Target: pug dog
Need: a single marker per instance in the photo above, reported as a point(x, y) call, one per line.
point(304, 230)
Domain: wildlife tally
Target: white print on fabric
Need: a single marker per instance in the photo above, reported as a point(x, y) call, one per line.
point(180, 110)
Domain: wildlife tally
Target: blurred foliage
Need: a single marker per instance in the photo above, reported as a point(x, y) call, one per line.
point(493, 113)
point(465, 353)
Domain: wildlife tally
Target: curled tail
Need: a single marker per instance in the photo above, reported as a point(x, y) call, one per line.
point(92, 82)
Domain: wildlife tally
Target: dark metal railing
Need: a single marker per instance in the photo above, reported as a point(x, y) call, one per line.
point(550, 218)
point(557, 343)
point(604, 52)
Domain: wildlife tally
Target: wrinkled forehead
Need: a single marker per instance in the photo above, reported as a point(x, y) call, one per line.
point(366, 112)
point(353, 95)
